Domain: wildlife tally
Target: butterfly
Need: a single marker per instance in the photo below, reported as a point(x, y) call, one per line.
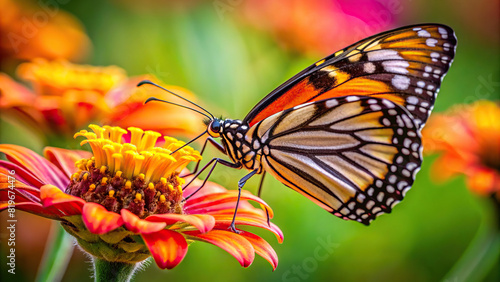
point(345, 131)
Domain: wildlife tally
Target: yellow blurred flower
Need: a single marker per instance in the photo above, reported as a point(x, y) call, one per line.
point(29, 31)
point(67, 97)
point(468, 139)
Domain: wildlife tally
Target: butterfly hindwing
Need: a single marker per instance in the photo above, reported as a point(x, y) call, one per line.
point(354, 156)
point(404, 65)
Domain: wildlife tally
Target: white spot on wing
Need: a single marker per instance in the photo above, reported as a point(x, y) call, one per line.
point(443, 32)
point(369, 67)
point(401, 82)
point(434, 56)
point(431, 42)
point(423, 33)
point(388, 104)
point(383, 55)
point(412, 100)
point(331, 103)
point(396, 66)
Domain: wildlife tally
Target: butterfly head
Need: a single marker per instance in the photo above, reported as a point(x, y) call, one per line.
point(214, 127)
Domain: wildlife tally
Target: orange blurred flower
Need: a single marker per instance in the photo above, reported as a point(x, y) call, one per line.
point(318, 26)
point(67, 97)
point(468, 139)
point(28, 31)
point(124, 202)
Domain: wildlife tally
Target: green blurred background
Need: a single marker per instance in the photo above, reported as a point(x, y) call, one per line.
point(231, 56)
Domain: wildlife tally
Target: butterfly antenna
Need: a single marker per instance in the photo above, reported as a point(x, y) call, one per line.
point(182, 106)
point(175, 94)
point(192, 140)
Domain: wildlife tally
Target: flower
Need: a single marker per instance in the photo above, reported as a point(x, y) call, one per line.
point(68, 96)
point(124, 202)
point(468, 139)
point(319, 26)
point(28, 32)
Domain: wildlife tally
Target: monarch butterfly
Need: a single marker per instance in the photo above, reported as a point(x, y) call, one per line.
point(344, 132)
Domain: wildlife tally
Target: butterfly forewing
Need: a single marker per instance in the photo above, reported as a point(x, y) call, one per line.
point(405, 66)
point(355, 156)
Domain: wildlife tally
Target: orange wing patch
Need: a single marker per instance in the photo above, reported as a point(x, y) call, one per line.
point(298, 94)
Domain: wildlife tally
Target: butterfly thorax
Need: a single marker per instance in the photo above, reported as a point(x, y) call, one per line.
point(240, 146)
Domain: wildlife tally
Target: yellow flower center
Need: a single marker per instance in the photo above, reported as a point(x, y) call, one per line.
point(137, 175)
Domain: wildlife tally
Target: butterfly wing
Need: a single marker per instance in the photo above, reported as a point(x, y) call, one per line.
point(404, 65)
point(354, 156)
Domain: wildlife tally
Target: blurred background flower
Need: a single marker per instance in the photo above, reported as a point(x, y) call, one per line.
point(29, 31)
point(468, 140)
point(320, 27)
point(67, 97)
point(231, 54)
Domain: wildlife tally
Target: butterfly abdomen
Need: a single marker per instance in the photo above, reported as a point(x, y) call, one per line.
point(241, 147)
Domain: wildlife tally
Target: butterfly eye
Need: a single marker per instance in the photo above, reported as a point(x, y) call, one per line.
point(215, 126)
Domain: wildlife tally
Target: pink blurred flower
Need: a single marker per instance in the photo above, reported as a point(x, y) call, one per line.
point(320, 26)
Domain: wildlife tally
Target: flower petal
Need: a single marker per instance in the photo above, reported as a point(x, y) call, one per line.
point(223, 221)
point(262, 248)
point(65, 159)
point(137, 225)
point(211, 200)
point(233, 243)
point(20, 174)
point(209, 188)
point(26, 198)
point(128, 108)
point(51, 196)
point(18, 188)
point(202, 222)
point(37, 209)
point(484, 181)
point(98, 220)
point(42, 168)
point(167, 247)
point(14, 94)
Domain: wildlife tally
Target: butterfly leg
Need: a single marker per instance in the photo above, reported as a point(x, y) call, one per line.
point(261, 183)
point(241, 183)
point(258, 195)
point(217, 145)
point(215, 161)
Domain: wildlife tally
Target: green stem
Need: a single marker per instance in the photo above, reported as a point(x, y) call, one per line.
point(482, 254)
point(113, 271)
point(56, 256)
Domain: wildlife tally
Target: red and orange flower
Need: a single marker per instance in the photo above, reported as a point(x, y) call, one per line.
point(125, 201)
point(68, 96)
point(468, 138)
